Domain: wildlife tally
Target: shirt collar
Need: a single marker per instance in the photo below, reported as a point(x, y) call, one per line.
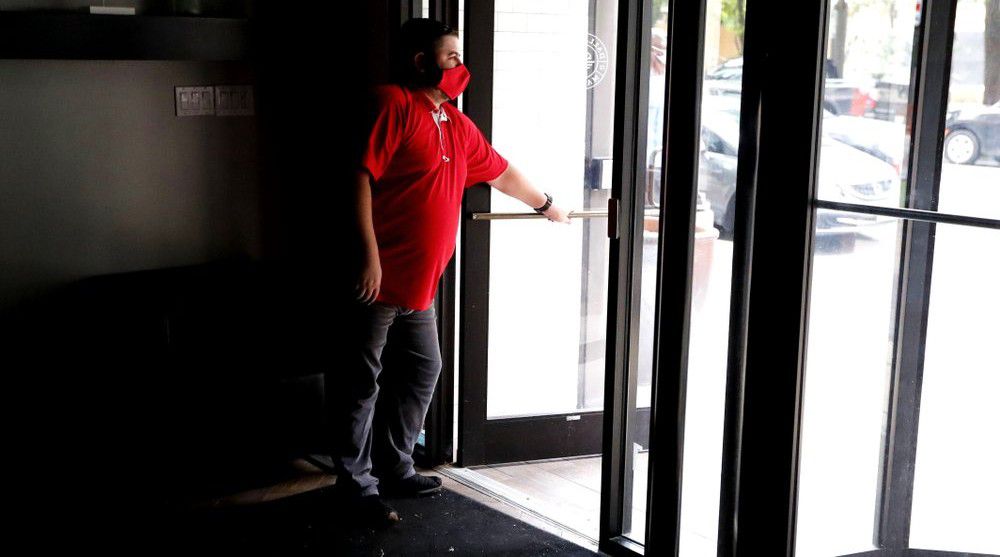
point(423, 100)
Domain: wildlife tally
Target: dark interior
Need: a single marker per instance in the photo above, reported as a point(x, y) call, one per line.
point(172, 287)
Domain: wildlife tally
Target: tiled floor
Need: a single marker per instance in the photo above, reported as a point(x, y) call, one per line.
point(564, 494)
point(458, 480)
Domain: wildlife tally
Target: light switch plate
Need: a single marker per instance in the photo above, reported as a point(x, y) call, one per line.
point(234, 100)
point(194, 101)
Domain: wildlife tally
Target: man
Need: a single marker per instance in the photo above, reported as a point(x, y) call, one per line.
point(421, 154)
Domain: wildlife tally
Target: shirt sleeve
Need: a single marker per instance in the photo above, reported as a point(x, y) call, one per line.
point(483, 163)
point(387, 122)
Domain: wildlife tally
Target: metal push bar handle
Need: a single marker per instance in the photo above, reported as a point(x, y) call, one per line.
point(650, 212)
point(510, 216)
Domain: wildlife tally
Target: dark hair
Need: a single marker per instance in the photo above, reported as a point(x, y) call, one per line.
point(415, 36)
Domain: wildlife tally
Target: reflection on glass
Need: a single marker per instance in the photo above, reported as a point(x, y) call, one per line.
point(956, 484)
point(971, 165)
point(548, 282)
point(866, 90)
point(849, 360)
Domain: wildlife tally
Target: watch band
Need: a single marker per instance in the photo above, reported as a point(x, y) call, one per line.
point(548, 203)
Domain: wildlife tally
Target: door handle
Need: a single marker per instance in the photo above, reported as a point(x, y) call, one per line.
point(611, 214)
point(510, 216)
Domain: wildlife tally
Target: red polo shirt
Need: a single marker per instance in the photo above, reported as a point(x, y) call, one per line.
point(420, 168)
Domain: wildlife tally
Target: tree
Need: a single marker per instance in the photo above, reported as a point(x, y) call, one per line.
point(734, 18)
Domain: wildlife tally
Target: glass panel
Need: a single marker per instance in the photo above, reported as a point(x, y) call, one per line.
point(956, 485)
point(636, 478)
point(971, 166)
point(850, 354)
point(864, 146)
point(553, 112)
point(711, 281)
point(849, 360)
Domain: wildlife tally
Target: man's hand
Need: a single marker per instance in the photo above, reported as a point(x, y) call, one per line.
point(370, 281)
point(557, 214)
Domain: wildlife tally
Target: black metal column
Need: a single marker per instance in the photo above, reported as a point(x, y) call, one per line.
point(445, 11)
point(439, 424)
point(474, 321)
point(623, 312)
point(929, 86)
point(754, 54)
point(681, 135)
point(790, 89)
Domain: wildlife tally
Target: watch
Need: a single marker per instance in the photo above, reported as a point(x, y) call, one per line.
point(548, 203)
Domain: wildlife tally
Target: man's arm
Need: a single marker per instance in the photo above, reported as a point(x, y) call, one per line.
point(371, 275)
point(513, 183)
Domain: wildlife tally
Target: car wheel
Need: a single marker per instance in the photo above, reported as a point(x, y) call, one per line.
point(961, 147)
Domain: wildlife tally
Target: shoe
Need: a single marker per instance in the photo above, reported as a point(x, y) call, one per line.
point(374, 511)
point(414, 485)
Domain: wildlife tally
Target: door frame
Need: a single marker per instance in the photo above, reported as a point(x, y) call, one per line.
point(514, 439)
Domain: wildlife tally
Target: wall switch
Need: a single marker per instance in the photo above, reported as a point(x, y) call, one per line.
point(195, 101)
point(234, 100)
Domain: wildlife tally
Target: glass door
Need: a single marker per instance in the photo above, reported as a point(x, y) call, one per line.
point(534, 293)
point(562, 323)
point(899, 444)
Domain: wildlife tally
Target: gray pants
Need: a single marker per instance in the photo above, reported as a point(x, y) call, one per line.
point(378, 419)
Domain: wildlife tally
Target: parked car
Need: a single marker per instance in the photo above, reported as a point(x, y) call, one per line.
point(841, 96)
point(846, 174)
point(880, 138)
point(859, 163)
point(972, 133)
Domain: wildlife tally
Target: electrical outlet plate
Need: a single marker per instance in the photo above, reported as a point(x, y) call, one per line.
point(234, 100)
point(195, 101)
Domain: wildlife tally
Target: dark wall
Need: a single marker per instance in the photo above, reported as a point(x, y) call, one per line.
point(314, 71)
point(99, 176)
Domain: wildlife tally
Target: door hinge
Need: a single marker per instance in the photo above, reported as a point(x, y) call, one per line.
point(613, 206)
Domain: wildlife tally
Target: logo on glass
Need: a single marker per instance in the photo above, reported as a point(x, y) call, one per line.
point(597, 61)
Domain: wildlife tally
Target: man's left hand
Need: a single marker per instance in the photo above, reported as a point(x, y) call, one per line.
point(557, 214)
